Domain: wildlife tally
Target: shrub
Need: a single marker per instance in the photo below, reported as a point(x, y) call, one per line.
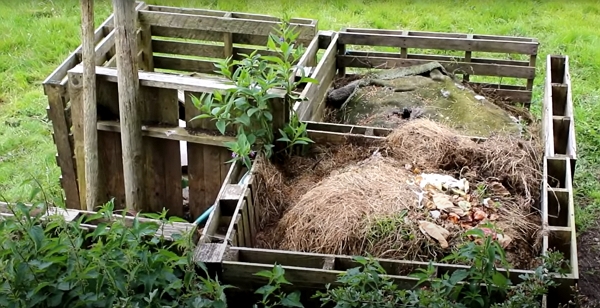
point(52, 263)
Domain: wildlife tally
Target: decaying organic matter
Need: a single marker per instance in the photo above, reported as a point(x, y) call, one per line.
point(383, 199)
point(387, 98)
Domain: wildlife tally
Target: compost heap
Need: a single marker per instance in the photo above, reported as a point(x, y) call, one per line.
point(411, 196)
point(390, 97)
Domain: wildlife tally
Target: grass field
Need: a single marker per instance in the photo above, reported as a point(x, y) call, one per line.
point(35, 36)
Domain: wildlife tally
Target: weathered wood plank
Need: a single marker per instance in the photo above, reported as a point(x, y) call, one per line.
point(186, 65)
point(75, 94)
point(110, 154)
point(197, 190)
point(61, 130)
point(218, 13)
point(436, 58)
point(442, 34)
point(479, 69)
point(168, 230)
point(315, 93)
point(187, 48)
point(219, 24)
point(169, 133)
point(167, 81)
point(441, 43)
point(145, 45)
point(129, 103)
point(162, 156)
point(90, 115)
point(200, 50)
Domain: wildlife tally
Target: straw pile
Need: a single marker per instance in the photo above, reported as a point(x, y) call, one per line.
point(357, 200)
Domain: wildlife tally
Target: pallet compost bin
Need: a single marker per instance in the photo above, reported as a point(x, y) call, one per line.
point(177, 52)
point(230, 251)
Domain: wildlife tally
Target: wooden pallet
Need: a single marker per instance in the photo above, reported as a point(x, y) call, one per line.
point(558, 121)
point(415, 48)
point(166, 230)
point(177, 50)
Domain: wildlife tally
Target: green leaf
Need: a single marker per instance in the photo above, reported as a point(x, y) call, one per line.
point(37, 235)
point(201, 116)
point(55, 300)
point(266, 274)
point(309, 80)
point(292, 300)
point(273, 59)
point(268, 115)
point(64, 286)
point(252, 111)
point(244, 119)
point(265, 290)
point(221, 125)
point(458, 276)
point(500, 280)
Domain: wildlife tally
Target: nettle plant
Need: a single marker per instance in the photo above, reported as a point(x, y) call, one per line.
point(481, 285)
point(48, 262)
point(260, 81)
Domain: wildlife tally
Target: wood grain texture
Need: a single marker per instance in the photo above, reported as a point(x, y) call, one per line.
point(56, 114)
point(441, 43)
point(162, 157)
point(90, 132)
point(130, 111)
point(220, 24)
point(469, 68)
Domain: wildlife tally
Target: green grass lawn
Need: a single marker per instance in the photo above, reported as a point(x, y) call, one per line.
point(37, 35)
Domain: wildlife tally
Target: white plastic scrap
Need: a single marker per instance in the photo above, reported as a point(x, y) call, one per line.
point(443, 182)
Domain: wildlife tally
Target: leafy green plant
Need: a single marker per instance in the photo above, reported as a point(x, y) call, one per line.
point(363, 286)
point(272, 295)
point(49, 262)
point(259, 83)
point(481, 285)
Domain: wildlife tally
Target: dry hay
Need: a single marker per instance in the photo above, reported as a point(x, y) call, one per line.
point(347, 201)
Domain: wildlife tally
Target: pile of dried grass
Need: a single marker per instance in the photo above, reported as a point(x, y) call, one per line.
point(514, 162)
point(340, 203)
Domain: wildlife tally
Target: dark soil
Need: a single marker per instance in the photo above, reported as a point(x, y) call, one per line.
point(588, 244)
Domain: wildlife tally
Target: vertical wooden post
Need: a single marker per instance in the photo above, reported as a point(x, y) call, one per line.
point(129, 109)
point(90, 131)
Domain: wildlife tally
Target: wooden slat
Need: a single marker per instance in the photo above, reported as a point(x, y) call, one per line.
point(441, 43)
point(218, 13)
point(315, 93)
point(479, 69)
point(219, 24)
point(195, 152)
point(187, 65)
point(187, 48)
point(110, 154)
point(437, 58)
point(167, 81)
point(168, 230)
point(162, 156)
point(75, 94)
point(199, 49)
point(169, 133)
point(145, 45)
point(56, 114)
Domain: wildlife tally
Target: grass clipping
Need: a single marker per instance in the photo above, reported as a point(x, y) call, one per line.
point(353, 200)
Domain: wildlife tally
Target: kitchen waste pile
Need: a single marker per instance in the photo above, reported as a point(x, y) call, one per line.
point(411, 196)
